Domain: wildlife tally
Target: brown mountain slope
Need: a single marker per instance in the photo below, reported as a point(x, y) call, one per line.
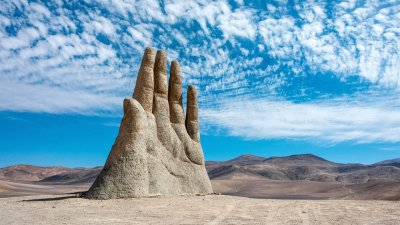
point(29, 173)
point(75, 176)
point(306, 177)
point(305, 167)
point(390, 161)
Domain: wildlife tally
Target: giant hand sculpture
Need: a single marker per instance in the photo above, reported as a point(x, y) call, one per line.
point(157, 151)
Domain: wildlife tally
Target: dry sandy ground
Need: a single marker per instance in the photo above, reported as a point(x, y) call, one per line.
point(307, 189)
point(216, 209)
point(10, 189)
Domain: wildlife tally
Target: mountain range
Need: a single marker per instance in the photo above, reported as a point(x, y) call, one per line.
point(297, 176)
point(304, 167)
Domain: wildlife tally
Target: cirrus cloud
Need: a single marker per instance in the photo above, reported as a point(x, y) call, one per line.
point(308, 56)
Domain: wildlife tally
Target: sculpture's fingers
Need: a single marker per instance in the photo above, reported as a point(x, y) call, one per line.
point(175, 94)
point(144, 88)
point(160, 75)
point(192, 114)
point(160, 101)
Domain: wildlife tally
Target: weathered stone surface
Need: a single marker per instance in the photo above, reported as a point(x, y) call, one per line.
point(157, 151)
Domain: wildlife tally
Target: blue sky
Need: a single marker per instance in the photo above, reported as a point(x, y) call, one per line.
point(273, 77)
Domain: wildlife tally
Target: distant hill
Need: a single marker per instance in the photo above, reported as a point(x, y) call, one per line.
point(295, 167)
point(303, 167)
point(48, 174)
point(305, 177)
point(389, 162)
point(246, 160)
point(299, 160)
point(30, 173)
point(299, 176)
point(75, 176)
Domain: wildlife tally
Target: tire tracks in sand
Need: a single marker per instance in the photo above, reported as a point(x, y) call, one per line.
point(222, 214)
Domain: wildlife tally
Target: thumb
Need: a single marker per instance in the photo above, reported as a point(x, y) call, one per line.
point(135, 118)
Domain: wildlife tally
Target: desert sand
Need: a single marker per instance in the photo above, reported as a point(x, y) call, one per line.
point(245, 187)
point(11, 189)
point(210, 209)
point(261, 188)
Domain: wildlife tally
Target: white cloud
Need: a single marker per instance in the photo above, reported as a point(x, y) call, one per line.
point(141, 33)
point(218, 14)
point(23, 39)
point(271, 8)
point(237, 23)
point(40, 9)
point(279, 36)
point(180, 38)
point(100, 25)
point(43, 98)
point(359, 47)
point(331, 121)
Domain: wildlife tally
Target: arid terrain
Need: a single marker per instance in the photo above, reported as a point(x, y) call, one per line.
point(305, 177)
point(291, 177)
point(299, 189)
point(213, 209)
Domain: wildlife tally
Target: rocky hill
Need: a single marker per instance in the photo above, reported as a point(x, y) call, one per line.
point(30, 173)
point(303, 167)
point(295, 167)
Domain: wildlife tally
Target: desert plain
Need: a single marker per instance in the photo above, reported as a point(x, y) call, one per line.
point(301, 189)
point(210, 209)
